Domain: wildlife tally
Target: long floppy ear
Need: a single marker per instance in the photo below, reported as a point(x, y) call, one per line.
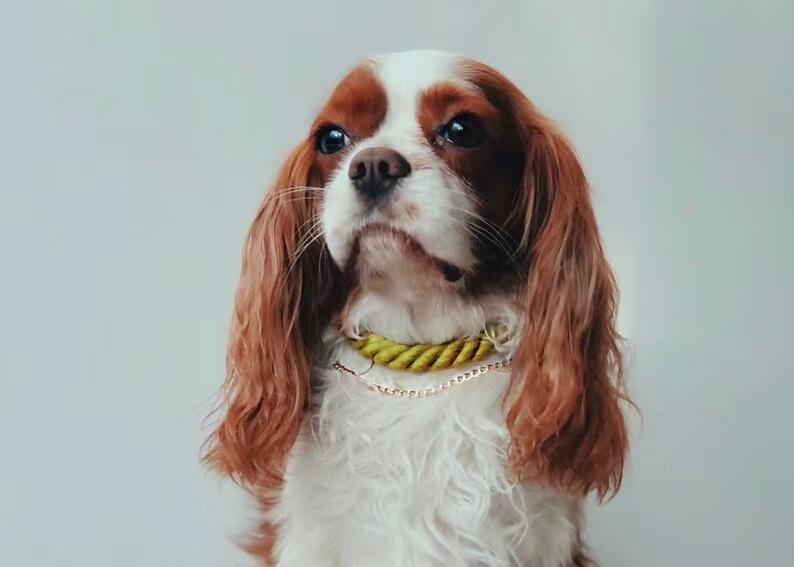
point(565, 419)
point(280, 309)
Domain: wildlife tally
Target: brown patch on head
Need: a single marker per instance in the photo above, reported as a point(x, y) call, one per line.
point(358, 106)
point(492, 170)
point(443, 101)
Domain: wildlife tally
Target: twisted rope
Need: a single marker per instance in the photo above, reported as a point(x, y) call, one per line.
point(422, 357)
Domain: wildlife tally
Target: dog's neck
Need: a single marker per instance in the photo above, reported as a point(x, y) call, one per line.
point(424, 317)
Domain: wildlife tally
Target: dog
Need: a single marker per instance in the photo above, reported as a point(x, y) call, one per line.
point(423, 365)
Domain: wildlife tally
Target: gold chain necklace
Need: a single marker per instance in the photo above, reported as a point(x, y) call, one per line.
point(444, 386)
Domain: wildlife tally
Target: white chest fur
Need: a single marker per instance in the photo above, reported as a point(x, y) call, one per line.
point(379, 481)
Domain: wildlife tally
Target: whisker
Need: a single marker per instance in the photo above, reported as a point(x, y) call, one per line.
point(308, 233)
point(497, 231)
point(297, 189)
point(471, 194)
point(308, 237)
point(508, 239)
point(477, 232)
point(304, 248)
point(471, 228)
point(487, 230)
point(315, 222)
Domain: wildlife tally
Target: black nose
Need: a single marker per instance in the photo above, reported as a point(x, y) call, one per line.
point(375, 171)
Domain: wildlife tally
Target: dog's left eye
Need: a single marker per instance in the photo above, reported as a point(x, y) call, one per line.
point(331, 139)
point(464, 131)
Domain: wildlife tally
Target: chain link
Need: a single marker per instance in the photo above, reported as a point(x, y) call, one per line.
point(425, 392)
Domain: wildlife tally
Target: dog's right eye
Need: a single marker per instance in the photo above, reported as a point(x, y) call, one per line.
point(331, 139)
point(464, 131)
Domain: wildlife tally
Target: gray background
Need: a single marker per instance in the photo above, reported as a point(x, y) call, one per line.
point(137, 138)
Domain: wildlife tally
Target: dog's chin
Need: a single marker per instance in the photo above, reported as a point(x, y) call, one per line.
point(386, 254)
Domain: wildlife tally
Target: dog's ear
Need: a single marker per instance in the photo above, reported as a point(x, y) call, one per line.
point(565, 418)
point(564, 405)
point(280, 309)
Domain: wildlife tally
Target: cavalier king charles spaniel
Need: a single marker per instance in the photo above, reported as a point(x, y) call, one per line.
point(423, 367)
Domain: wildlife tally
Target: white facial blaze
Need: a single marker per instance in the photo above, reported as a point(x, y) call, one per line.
point(430, 204)
point(404, 295)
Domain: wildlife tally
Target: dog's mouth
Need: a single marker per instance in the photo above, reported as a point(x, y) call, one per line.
point(410, 246)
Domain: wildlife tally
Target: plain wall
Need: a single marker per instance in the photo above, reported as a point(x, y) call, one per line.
point(138, 137)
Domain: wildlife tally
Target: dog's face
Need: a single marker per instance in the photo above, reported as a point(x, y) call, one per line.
point(420, 171)
point(427, 186)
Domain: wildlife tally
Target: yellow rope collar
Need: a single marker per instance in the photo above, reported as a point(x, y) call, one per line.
point(422, 357)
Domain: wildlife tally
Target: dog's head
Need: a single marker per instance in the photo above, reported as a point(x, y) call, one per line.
point(428, 183)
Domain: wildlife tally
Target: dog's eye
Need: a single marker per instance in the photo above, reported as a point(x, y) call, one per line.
point(331, 139)
point(464, 131)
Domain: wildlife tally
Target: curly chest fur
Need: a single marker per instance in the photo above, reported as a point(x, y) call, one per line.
point(377, 481)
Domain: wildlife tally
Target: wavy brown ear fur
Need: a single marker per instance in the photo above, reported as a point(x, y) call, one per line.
point(280, 309)
point(566, 422)
point(565, 418)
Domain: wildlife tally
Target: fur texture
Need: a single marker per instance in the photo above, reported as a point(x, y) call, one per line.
point(499, 229)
